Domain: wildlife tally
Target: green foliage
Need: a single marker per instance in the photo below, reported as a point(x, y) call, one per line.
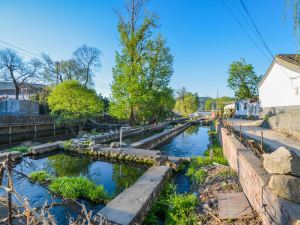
point(40, 176)
point(243, 79)
point(78, 187)
point(141, 76)
point(173, 209)
point(182, 210)
point(197, 176)
point(22, 149)
point(71, 101)
point(209, 103)
point(68, 144)
point(186, 102)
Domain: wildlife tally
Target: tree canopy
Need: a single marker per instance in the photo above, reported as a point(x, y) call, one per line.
point(82, 66)
point(14, 68)
point(243, 79)
point(186, 102)
point(141, 76)
point(72, 102)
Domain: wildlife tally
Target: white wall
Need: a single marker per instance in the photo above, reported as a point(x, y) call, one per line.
point(277, 89)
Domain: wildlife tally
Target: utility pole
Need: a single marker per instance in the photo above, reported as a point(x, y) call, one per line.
point(57, 71)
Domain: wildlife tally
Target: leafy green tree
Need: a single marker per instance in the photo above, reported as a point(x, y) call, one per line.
point(72, 102)
point(209, 104)
point(144, 66)
point(243, 79)
point(186, 102)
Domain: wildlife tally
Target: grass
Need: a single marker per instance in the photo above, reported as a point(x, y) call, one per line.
point(173, 209)
point(40, 176)
point(22, 149)
point(79, 187)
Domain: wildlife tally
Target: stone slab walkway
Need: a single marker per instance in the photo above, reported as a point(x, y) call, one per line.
point(272, 138)
point(130, 206)
point(234, 206)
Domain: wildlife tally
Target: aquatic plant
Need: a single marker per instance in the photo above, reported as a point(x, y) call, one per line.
point(79, 187)
point(40, 176)
point(22, 149)
point(173, 209)
point(197, 176)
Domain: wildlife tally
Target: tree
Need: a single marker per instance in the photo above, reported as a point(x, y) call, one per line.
point(82, 67)
point(72, 102)
point(186, 102)
point(14, 68)
point(128, 87)
point(243, 80)
point(209, 104)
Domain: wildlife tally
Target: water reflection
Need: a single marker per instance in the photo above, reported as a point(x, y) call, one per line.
point(192, 142)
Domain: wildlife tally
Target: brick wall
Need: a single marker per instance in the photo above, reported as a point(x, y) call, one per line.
point(254, 179)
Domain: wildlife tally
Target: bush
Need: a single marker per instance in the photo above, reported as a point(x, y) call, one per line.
point(22, 149)
point(79, 187)
point(40, 176)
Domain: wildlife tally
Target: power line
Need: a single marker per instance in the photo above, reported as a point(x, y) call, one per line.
point(22, 49)
point(245, 30)
point(256, 29)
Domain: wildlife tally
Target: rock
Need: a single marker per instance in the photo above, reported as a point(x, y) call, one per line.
point(282, 161)
point(117, 144)
point(286, 186)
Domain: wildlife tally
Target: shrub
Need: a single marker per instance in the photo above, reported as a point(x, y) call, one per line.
point(22, 149)
point(40, 176)
point(78, 187)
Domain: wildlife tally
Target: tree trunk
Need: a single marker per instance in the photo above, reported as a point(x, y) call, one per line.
point(131, 117)
point(17, 92)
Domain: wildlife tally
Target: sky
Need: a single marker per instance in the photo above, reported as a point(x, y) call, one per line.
point(203, 36)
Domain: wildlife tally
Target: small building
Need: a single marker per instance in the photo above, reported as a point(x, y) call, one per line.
point(279, 89)
point(229, 110)
point(247, 108)
point(279, 94)
point(8, 90)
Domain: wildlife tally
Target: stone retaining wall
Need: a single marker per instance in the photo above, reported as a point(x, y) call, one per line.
point(155, 140)
point(254, 179)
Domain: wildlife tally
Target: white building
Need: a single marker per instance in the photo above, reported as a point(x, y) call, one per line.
point(247, 108)
point(280, 87)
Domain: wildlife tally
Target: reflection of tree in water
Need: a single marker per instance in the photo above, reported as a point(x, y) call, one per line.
point(65, 165)
point(192, 130)
point(124, 176)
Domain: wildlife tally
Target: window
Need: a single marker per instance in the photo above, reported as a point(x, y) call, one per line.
point(245, 106)
point(237, 105)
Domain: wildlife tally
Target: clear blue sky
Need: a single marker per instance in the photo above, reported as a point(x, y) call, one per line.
point(202, 35)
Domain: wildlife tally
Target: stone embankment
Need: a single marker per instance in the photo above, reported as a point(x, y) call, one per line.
point(155, 140)
point(255, 181)
point(131, 206)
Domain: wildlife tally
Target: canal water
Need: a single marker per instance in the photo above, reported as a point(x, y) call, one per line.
point(114, 177)
point(191, 142)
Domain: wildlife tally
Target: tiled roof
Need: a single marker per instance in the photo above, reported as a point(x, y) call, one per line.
point(291, 58)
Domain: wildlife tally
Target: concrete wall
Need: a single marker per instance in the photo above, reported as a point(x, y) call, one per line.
point(19, 107)
point(278, 89)
point(155, 140)
point(284, 119)
point(254, 179)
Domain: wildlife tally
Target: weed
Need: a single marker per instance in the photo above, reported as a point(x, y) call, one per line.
point(78, 187)
point(22, 149)
point(40, 176)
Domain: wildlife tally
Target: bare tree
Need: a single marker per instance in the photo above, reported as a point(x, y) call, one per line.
point(88, 60)
point(51, 71)
point(14, 68)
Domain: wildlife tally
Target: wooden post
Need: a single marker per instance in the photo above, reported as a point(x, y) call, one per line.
point(211, 150)
point(240, 132)
point(262, 141)
point(54, 127)
point(9, 186)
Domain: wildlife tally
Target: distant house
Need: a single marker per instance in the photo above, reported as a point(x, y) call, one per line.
point(229, 110)
point(279, 90)
point(247, 108)
point(8, 90)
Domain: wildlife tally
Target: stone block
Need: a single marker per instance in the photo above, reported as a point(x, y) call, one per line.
point(286, 186)
point(282, 161)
